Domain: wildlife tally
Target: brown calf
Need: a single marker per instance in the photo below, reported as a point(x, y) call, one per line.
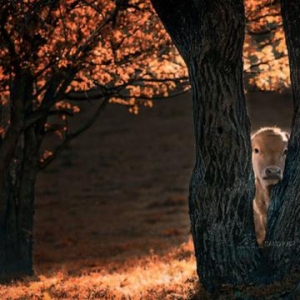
point(269, 148)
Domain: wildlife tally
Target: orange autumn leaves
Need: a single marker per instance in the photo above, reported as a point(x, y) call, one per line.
point(124, 50)
point(115, 47)
point(265, 53)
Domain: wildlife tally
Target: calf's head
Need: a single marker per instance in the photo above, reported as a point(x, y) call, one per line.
point(269, 149)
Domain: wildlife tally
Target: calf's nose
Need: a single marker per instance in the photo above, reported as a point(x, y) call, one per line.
point(273, 171)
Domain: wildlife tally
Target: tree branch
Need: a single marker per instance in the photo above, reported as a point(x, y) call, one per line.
point(39, 115)
point(155, 98)
point(264, 32)
point(95, 94)
point(73, 135)
point(102, 91)
point(255, 19)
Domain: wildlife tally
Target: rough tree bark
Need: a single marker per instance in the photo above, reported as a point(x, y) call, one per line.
point(18, 170)
point(209, 36)
point(283, 236)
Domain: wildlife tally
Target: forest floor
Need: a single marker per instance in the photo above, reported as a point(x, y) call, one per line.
point(111, 218)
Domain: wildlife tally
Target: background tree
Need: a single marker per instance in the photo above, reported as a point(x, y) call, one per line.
point(265, 55)
point(49, 52)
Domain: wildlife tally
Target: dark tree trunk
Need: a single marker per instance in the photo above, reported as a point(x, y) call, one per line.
point(209, 36)
point(17, 202)
point(19, 167)
point(283, 236)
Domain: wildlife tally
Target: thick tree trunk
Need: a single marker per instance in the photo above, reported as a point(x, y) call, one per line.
point(209, 36)
point(283, 235)
point(17, 210)
point(18, 169)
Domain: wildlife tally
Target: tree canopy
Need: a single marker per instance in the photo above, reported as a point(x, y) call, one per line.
point(117, 48)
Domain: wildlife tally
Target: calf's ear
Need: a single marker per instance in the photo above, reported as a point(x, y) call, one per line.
point(287, 135)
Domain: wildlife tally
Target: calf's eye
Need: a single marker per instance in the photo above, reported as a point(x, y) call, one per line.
point(285, 152)
point(256, 150)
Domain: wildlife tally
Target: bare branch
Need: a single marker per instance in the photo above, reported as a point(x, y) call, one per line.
point(94, 94)
point(39, 115)
point(73, 135)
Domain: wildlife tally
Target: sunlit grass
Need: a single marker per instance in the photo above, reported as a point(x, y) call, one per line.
point(171, 276)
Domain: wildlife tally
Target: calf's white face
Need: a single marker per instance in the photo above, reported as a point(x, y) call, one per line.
point(269, 149)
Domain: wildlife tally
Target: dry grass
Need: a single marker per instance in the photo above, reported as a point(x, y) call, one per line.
point(171, 276)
